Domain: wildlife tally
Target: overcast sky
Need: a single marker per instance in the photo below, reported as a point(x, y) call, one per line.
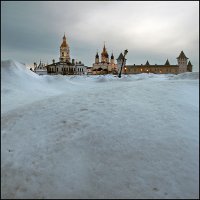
point(152, 31)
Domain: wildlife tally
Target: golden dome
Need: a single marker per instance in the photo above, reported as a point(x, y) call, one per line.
point(104, 52)
point(64, 43)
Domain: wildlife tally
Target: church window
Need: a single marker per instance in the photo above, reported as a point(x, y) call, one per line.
point(62, 53)
point(57, 69)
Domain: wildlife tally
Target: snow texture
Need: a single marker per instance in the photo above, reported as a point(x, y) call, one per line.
point(99, 136)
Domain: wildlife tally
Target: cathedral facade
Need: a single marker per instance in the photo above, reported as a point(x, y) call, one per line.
point(104, 65)
point(65, 65)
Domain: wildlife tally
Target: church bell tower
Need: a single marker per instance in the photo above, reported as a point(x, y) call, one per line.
point(64, 51)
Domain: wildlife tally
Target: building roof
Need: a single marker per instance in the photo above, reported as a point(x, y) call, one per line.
point(167, 62)
point(64, 43)
point(104, 52)
point(112, 57)
point(97, 55)
point(120, 56)
point(181, 56)
point(40, 66)
point(59, 63)
point(189, 63)
point(147, 63)
point(150, 66)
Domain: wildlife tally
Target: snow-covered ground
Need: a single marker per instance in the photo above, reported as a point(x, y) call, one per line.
point(99, 136)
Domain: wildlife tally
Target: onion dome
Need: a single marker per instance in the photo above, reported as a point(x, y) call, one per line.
point(104, 52)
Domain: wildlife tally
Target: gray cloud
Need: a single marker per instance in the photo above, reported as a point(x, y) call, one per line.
point(151, 31)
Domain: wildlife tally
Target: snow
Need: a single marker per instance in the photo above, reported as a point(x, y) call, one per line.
point(99, 136)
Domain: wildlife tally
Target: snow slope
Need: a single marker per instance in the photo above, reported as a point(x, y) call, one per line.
point(20, 86)
point(99, 136)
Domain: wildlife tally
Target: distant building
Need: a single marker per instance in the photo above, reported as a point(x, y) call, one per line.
point(89, 70)
point(40, 69)
point(182, 66)
point(105, 66)
point(66, 66)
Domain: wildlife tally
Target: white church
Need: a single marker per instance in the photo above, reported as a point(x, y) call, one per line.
point(65, 66)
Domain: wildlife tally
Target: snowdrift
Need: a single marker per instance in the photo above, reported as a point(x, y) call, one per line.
point(99, 137)
point(21, 86)
point(133, 77)
point(15, 76)
point(11, 67)
point(186, 75)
